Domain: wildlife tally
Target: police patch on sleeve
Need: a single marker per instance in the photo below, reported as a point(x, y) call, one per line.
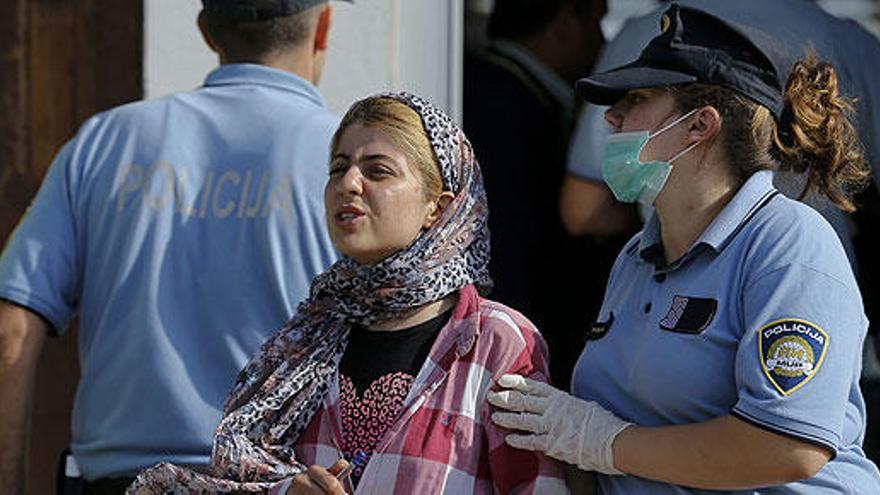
point(791, 352)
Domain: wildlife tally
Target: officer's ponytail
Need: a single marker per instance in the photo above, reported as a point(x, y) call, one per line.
point(815, 135)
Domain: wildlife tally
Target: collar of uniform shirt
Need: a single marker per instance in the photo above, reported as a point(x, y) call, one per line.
point(749, 199)
point(244, 73)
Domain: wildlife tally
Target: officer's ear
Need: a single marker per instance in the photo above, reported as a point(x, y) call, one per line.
point(202, 23)
point(704, 125)
point(322, 30)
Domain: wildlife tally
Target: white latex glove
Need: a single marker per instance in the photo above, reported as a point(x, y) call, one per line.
point(572, 430)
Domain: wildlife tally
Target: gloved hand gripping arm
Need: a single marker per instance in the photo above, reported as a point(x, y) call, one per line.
point(572, 430)
point(723, 453)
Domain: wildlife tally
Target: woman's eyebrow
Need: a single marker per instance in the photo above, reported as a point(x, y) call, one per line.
point(376, 156)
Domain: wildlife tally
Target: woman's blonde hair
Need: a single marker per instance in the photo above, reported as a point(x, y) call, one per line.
point(404, 127)
point(815, 135)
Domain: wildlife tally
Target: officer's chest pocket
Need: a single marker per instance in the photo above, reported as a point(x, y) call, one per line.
point(689, 315)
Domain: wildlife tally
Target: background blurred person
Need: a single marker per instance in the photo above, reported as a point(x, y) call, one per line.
point(519, 111)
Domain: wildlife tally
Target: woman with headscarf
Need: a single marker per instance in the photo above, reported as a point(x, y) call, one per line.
point(393, 353)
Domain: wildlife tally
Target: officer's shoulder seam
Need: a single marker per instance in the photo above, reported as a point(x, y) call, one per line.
point(804, 266)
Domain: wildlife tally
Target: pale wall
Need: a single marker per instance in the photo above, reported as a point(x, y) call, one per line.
point(375, 45)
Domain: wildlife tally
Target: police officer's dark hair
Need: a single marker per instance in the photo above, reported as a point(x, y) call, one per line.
point(518, 19)
point(253, 41)
point(815, 134)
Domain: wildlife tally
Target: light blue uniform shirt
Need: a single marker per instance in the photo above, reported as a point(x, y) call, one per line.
point(184, 231)
point(761, 318)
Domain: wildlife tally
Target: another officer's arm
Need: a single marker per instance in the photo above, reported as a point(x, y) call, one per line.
point(589, 208)
point(724, 453)
point(22, 334)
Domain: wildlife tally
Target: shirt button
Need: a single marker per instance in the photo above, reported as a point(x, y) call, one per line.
point(660, 277)
point(648, 308)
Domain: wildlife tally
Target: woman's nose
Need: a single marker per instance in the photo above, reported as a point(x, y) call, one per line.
point(351, 182)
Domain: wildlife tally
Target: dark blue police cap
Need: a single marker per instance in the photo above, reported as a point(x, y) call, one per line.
point(695, 46)
point(239, 11)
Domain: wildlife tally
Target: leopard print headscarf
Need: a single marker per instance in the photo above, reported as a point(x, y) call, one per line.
point(281, 388)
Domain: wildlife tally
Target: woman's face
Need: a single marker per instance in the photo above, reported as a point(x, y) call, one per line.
point(374, 199)
point(648, 109)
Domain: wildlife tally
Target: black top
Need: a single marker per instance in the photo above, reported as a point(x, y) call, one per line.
point(376, 374)
point(371, 354)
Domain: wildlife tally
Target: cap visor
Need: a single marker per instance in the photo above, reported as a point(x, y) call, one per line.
point(608, 87)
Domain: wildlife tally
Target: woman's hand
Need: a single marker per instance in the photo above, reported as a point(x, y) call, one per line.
point(564, 427)
point(319, 481)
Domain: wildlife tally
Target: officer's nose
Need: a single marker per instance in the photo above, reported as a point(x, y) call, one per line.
point(614, 117)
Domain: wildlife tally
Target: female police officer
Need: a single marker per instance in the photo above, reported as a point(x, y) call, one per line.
point(727, 352)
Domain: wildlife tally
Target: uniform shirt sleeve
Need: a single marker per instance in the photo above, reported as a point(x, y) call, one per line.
point(800, 354)
point(515, 471)
point(38, 268)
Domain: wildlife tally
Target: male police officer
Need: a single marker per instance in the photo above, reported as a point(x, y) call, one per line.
point(183, 231)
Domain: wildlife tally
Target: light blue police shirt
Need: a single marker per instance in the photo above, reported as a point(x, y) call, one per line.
point(183, 231)
point(761, 318)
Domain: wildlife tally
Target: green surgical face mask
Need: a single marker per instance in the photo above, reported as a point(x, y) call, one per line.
point(629, 178)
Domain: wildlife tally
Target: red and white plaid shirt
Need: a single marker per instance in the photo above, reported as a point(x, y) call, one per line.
point(443, 441)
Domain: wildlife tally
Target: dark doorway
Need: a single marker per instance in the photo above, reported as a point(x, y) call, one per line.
point(60, 62)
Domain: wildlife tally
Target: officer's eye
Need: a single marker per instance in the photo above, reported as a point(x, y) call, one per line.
point(634, 97)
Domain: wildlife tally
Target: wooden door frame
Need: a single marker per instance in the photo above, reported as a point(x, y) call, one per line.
point(60, 62)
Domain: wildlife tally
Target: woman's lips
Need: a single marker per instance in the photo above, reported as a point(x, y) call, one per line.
point(348, 215)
